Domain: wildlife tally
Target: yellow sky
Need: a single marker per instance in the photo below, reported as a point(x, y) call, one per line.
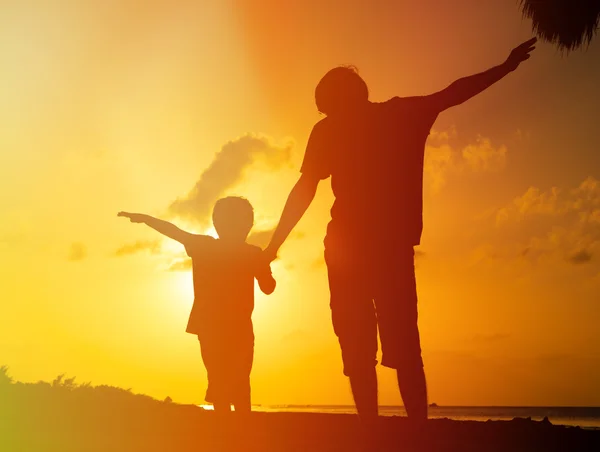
point(119, 105)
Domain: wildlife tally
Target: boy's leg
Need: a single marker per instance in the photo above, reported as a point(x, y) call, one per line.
point(242, 367)
point(211, 358)
point(397, 316)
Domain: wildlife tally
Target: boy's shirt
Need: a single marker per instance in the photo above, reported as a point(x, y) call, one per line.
point(223, 276)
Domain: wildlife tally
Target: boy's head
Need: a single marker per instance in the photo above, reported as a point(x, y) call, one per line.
point(341, 90)
point(233, 217)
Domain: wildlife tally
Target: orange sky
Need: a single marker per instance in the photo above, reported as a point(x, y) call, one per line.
point(110, 106)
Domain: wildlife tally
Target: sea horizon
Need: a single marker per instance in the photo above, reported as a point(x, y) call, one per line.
point(576, 416)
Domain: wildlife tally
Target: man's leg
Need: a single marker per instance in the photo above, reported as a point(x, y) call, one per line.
point(221, 407)
point(413, 389)
point(355, 324)
point(242, 406)
point(397, 317)
point(242, 400)
point(364, 390)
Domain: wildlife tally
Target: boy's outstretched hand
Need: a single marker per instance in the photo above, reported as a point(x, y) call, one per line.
point(520, 54)
point(133, 217)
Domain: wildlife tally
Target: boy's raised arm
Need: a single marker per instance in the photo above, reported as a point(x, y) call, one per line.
point(164, 227)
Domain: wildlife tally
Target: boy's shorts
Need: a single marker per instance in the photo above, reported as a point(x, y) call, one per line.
point(228, 361)
point(371, 291)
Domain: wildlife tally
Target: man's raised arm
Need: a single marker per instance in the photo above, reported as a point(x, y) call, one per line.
point(465, 88)
point(298, 201)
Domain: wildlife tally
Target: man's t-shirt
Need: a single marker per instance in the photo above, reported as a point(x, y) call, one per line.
point(224, 276)
point(375, 160)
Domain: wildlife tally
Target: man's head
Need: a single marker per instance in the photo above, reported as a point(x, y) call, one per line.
point(341, 90)
point(233, 218)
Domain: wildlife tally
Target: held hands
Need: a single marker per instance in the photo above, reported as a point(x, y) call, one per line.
point(520, 54)
point(133, 217)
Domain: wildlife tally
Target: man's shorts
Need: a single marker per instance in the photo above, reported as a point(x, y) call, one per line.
point(371, 291)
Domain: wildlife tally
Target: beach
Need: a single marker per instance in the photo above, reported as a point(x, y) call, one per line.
point(41, 418)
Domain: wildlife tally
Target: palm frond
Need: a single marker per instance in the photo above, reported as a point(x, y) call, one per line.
point(567, 23)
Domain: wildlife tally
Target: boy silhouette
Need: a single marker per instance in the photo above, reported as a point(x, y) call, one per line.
point(224, 270)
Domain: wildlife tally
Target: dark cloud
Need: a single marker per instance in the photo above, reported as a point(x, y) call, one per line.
point(580, 257)
point(142, 245)
point(226, 170)
point(77, 252)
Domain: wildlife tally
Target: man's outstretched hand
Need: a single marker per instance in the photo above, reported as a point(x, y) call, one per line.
point(133, 217)
point(520, 54)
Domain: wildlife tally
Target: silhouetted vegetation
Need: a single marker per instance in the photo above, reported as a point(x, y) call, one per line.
point(65, 416)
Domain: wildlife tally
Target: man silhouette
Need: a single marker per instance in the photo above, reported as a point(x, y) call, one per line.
point(374, 154)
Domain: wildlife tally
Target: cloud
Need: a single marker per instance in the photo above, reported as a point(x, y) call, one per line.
point(532, 202)
point(583, 201)
point(77, 252)
point(564, 223)
point(442, 159)
point(482, 156)
point(226, 170)
point(261, 238)
point(151, 245)
point(438, 162)
point(180, 265)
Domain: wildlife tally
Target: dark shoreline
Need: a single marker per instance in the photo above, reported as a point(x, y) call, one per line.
point(586, 417)
point(62, 417)
point(172, 427)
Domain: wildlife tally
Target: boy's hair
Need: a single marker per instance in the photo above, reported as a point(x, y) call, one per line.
point(340, 87)
point(233, 216)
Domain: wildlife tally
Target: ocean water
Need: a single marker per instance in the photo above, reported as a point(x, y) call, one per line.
point(585, 417)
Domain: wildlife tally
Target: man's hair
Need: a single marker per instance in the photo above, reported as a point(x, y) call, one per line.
point(233, 215)
point(340, 87)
